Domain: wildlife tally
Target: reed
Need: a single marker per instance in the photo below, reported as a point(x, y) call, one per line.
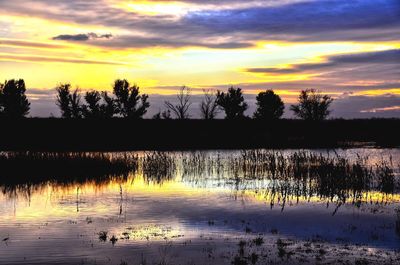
point(158, 166)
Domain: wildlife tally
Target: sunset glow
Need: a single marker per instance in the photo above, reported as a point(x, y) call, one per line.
point(162, 45)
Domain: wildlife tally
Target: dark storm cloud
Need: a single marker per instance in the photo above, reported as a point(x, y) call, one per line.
point(82, 37)
point(322, 20)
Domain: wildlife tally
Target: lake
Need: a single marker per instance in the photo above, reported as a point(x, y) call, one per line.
point(211, 207)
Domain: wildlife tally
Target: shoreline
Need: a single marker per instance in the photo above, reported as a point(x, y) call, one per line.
point(117, 134)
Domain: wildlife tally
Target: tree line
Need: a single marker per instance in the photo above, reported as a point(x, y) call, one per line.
point(127, 101)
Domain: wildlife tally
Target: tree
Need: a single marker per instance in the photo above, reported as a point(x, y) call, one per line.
point(269, 106)
point(164, 115)
point(76, 106)
point(312, 105)
point(13, 101)
point(99, 105)
point(108, 108)
point(69, 104)
point(209, 106)
point(127, 100)
point(181, 109)
point(63, 100)
point(93, 107)
point(232, 103)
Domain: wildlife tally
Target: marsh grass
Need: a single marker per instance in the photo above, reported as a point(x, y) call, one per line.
point(302, 174)
point(277, 176)
point(158, 166)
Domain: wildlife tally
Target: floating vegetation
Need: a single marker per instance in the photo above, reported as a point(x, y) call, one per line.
point(103, 235)
point(258, 241)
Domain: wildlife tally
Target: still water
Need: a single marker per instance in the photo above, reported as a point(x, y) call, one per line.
point(206, 215)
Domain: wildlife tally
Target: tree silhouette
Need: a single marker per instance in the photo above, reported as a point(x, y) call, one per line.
point(76, 106)
point(209, 106)
point(108, 108)
point(99, 105)
point(127, 100)
point(312, 105)
point(63, 100)
point(232, 103)
point(92, 109)
point(13, 101)
point(69, 104)
point(165, 115)
point(269, 106)
point(181, 109)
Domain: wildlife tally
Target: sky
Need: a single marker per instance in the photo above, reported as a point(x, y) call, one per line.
point(349, 49)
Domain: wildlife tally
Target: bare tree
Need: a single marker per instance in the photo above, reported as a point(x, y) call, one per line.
point(209, 106)
point(181, 109)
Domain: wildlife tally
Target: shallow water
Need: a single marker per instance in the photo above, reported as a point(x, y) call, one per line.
point(191, 218)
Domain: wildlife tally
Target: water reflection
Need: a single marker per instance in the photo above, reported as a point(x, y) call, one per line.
point(184, 197)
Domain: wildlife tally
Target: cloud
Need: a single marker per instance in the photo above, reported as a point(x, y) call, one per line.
point(82, 37)
point(29, 44)
point(357, 71)
point(34, 58)
point(126, 42)
point(305, 21)
point(384, 109)
point(308, 21)
point(386, 57)
point(384, 106)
